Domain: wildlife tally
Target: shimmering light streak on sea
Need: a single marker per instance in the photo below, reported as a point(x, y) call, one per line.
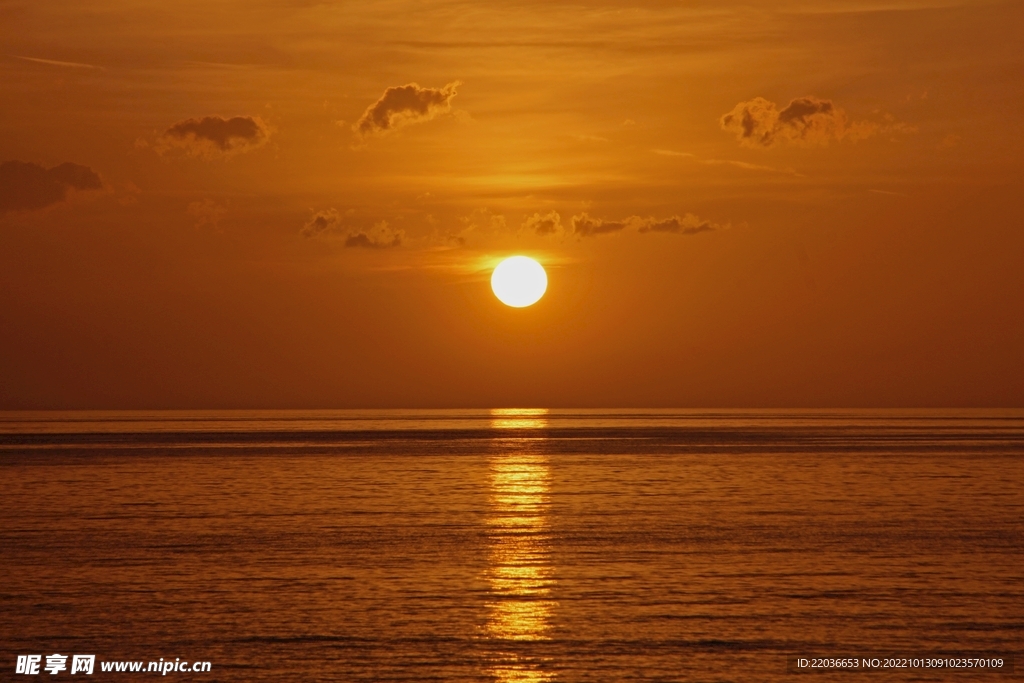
point(520, 572)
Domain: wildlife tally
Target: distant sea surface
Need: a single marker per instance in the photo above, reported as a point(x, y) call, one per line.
point(511, 545)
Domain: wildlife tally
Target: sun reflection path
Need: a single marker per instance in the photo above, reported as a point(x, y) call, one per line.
point(520, 572)
point(519, 418)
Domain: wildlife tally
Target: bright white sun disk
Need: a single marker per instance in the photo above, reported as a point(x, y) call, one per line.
point(519, 281)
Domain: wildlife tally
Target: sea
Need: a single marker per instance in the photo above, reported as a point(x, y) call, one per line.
point(505, 545)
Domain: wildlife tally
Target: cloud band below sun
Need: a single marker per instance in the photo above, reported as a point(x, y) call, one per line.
point(584, 225)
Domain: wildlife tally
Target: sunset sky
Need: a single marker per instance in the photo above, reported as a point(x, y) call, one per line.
point(271, 203)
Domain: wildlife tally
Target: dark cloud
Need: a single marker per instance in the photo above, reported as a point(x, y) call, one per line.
point(548, 224)
point(805, 120)
point(689, 224)
point(402, 105)
point(213, 136)
point(26, 186)
point(585, 226)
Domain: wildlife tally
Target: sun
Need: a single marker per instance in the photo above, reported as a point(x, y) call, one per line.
point(519, 281)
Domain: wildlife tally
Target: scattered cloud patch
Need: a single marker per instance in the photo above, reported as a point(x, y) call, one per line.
point(548, 224)
point(330, 223)
point(804, 121)
point(26, 186)
point(484, 220)
point(949, 141)
point(479, 222)
point(380, 236)
point(207, 213)
point(128, 194)
point(585, 226)
point(215, 136)
point(322, 222)
point(402, 105)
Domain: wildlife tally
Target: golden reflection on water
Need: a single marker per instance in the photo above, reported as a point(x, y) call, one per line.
point(520, 572)
point(519, 418)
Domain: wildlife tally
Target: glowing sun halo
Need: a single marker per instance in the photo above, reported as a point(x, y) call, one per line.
point(519, 281)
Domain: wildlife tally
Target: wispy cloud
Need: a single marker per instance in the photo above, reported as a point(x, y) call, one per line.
point(670, 153)
point(478, 224)
point(57, 62)
point(728, 162)
point(207, 213)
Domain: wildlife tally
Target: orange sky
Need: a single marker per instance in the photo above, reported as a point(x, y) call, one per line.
point(277, 203)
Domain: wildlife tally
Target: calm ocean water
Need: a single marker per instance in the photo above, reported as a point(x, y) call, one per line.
point(511, 545)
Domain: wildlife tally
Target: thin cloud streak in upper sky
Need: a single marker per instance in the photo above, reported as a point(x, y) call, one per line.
point(57, 62)
point(728, 162)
